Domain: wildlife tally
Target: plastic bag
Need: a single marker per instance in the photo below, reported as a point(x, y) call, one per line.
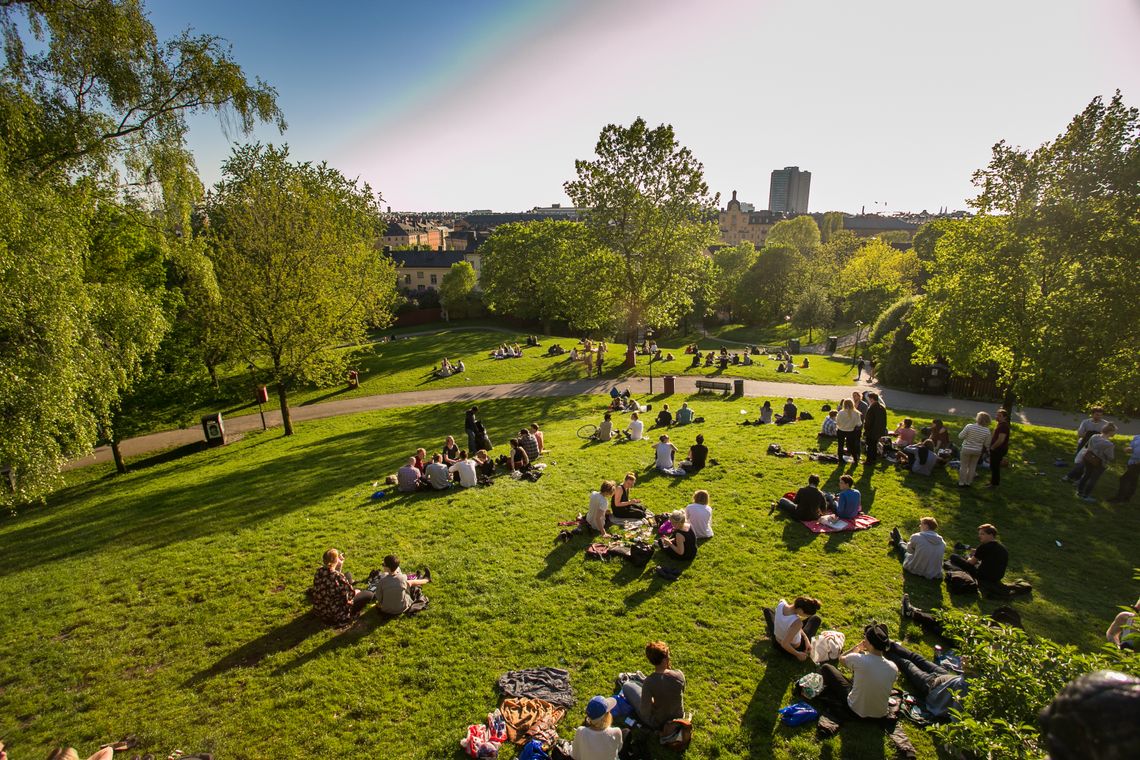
point(798, 714)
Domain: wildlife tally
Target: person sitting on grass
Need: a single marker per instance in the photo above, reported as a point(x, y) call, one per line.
point(921, 458)
point(696, 360)
point(747, 360)
point(529, 444)
point(710, 357)
point(605, 431)
point(765, 414)
point(517, 461)
point(808, 503)
point(791, 413)
point(597, 738)
point(904, 433)
point(791, 627)
point(868, 693)
point(698, 456)
point(987, 563)
point(805, 363)
point(664, 417)
point(939, 435)
point(635, 429)
point(940, 689)
point(421, 459)
point(682, 543)
point(408, 477)
point(484, 465)
point(1125, 629)
point(334, 599)
point(398, 593)
point(848, 502)
point(661, 697)
point(684, 414)
point(459, 368)
point(596, 515)
point(539, 437)
point(466, 470)
point(437, 474)
point(830, 427)
point(623, 504)
point(450, 451)
point(699, 514)
point(664, 453)
point(924, 552)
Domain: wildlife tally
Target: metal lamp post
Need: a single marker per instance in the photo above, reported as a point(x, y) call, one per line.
point(649, 339)
point(858, 337)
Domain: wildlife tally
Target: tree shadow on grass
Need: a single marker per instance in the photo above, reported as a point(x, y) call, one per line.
point(248, 655)
point(170, 455)
point(761, 716)
point(331, 394)
point(364, 625)
point(637, 598)
point(559, 556)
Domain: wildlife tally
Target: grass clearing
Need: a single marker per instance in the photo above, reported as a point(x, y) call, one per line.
point(407, 364)
point(169, 602)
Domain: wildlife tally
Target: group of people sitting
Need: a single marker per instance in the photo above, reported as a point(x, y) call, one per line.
point(685, 416)
point(623, 401)
point(507, 351)
point(665, 455)
point(453, 465)
point(790, 413)
point(811, 503)
point(614, 502)
point(336, 600)
point(447, 368)
point(722, 360)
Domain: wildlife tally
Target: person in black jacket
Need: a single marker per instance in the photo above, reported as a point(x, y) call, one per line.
point(470, 426)
point(874, 426)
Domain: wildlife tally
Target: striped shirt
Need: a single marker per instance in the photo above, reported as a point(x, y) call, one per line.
point(974, 437)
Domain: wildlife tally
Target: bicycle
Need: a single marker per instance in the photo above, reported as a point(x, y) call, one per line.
point(587, 431)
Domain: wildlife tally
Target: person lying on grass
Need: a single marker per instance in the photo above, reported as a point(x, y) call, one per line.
point(334, 599)
point(682, 543)
point(792, 626)
point(623, 503)
point(398, 594)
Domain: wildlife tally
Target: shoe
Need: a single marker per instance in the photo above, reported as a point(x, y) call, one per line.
point(907, 608)
point(426, 574)
point(896, 536)
point(1066, 479)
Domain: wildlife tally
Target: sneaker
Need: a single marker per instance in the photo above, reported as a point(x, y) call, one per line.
point(896, 536)
point(907, 607)
point(426, 573)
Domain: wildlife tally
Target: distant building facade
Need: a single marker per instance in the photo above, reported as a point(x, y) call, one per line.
point(402, 233)
point(425, 269)
point(738, 223)
point(788, 192)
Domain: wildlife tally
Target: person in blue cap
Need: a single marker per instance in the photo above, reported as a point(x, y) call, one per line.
point(597, 739)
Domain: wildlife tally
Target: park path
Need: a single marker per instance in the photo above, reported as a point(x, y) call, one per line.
point(753, 389)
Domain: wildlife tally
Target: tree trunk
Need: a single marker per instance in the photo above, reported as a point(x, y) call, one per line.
point(120, 465)
point(286, 420)
point(213, 370)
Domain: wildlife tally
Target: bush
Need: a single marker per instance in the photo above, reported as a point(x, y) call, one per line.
point(890, 346)
point(1012, 677)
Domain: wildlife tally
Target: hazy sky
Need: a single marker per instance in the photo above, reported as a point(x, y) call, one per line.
point(463, 104)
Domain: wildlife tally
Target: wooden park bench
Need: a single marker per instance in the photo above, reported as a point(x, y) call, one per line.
point(713, 385)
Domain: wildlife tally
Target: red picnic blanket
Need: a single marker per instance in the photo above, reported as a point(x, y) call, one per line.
point(861, 522)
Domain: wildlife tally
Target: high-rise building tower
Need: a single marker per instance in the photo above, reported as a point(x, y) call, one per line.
point(789, 190)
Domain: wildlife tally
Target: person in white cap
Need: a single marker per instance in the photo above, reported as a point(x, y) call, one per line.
point(598, 739)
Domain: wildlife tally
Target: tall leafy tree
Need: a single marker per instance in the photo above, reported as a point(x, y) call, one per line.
point(552, 270)
point(831, 225)
point(1045, 276)
point(877, 275)
point(93, 116)
point(456, 287)
point(767, 292)
point(649, 204)
point(732, 263)
point(801, 233)
point(296, 267)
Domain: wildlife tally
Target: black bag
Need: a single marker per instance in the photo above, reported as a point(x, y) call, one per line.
point(640, 554)
point(774, 448)
point(806, 416)
point(960, 582)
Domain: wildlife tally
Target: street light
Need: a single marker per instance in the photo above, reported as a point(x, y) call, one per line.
point(858, 335)
point(649, 339)
point(788, 329)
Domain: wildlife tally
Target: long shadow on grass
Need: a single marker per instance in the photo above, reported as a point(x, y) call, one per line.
point(361, 628)
point(760, 717)
point(248, 655)
point(234, 489)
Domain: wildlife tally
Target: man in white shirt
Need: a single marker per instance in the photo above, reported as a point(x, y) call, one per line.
point(700, 515)
point(873, 676)
point(635, 429)
point(468, 476)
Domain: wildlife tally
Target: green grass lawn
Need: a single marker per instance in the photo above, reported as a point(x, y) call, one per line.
point(407, 365)
point(169, 602)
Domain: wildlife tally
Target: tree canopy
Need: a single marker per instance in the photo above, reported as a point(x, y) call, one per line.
point(96, 188)
point(801, 233)
point(1045, 276)
point(456, 287)
point(297, 269)
point(648, 203)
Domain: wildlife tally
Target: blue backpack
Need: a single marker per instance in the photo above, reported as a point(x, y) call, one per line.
point(797, 714)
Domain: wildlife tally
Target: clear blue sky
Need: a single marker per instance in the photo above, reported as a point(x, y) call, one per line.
point(462, 104)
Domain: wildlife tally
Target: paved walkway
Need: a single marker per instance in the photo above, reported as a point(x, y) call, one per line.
point(915, 402)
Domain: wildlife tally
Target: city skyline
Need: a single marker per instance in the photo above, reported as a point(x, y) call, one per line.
point(456, 106)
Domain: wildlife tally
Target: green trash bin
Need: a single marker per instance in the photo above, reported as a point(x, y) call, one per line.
point(832, 344)
point(794, 345)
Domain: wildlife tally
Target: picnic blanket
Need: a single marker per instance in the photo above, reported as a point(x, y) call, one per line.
point(527, 718)
point(549, 684)
point(861, 522)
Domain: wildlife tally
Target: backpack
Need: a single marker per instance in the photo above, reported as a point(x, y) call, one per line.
point(797, 714)
point(806, 416)
point(640, 554)
point(960, 582)
point(676, 734)
point(774, 448)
